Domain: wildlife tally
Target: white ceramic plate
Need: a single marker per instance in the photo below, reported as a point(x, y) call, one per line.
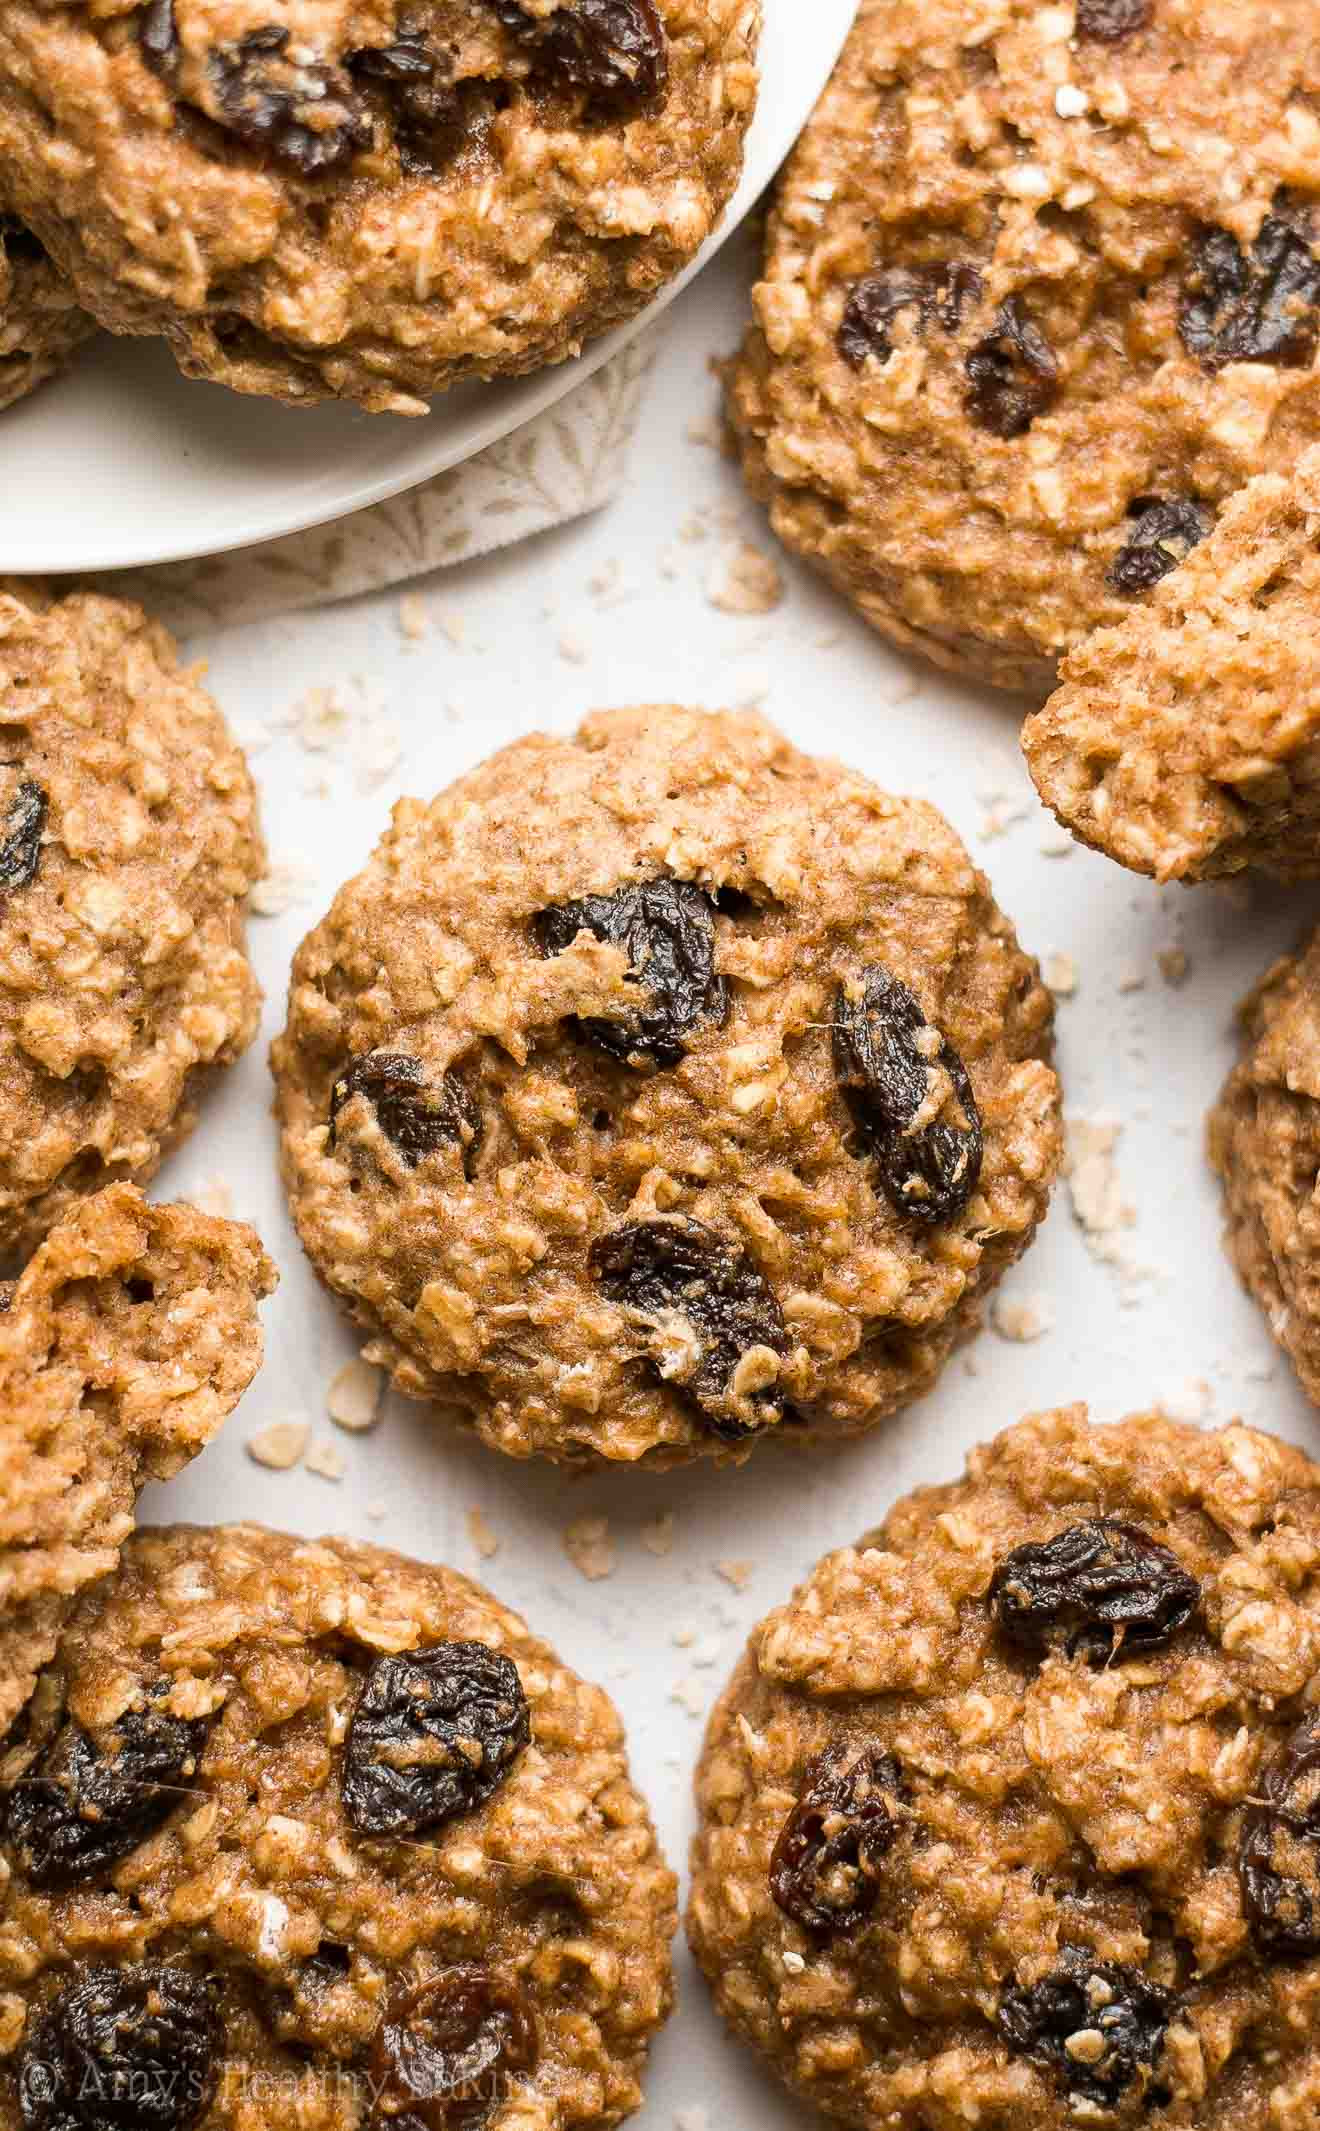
point(125, 462)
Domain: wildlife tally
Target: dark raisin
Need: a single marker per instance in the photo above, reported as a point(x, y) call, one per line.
point(18, 242)
point(1012, 375)
point(1257, 307)
point(936, 293)
point(425, 107)
point(122, 2049)
point(301, 112)
point(1164, 533)
point(419, 1115)
point(447, 2055)
point(611, 50)
point(1279, 1858)
point(1110, 21)
point(1100, 2027)
point(674, 1267)
point(887, 1058)
point(1101, 1589)
point(666, 928)
point(435, 1733)
point(824, 1872)
point(84, 1803)
point(20, 842)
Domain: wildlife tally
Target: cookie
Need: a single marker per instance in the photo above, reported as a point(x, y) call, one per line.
point(662, 1088)
point(366, 200)
point(128, 1338)
point(1183, 742)
point(1033, 275)
point(368, 1847)
point(1264, 1140)
point(1007, 1817)
point(128, 841)
point(40, 322)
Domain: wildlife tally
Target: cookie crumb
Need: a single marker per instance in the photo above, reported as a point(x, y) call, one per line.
point(690, 1695)
point(742, 580)
point(658, 1536)
point(707, 431)
point(354, 1397)
point(1131, 979)
point(480, 1535)
point(280, 1446)
point(377, 1511)
point(280, 887)
point(318, 720)
point(213, 1196)
point(1056, 844)
point(1023, 1319)
point(1060, 974)
point(325, 1461)
point(590, 1547)
point(414, 622)
point(1174, 966)
point(737, 1573)
point(693, 2119)
point(573, 648)
point(1190, 1400)
point(453, 626)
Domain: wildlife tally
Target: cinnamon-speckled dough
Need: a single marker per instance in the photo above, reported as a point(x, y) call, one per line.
point(1049, 1808)
point(128, 842)
point(1075, 175)
point(1186, 741)
point(400, 194)
point(312, 1933)
point(472, 1265)
point(40, 322)
point(1264, 1139)
point(129, 1337)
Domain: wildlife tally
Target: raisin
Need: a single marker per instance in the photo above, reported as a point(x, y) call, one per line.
point(434, 1734)
point(1279, 1857)
point(666, 928)
point(85, 1803)
point(675, 1267)
point(1257, 307)
point(886, 1055)
point(122, 2049)
point(936, 293)
point(418, 1115)
point(1097, 1588)
point(824, 1872)
point(1163, 535)
point(1110, 21)
point(1012, 375)
point(303, 113)
point(447, 2055)
point(425, 107)
point(1122, 2015)
point(614, 51)
point(20, 842)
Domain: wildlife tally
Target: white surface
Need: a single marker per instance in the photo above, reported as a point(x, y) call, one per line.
point(123, 461)
point(1153, 1057)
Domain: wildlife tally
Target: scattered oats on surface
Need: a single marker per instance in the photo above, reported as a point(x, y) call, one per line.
point(1056, 843)
point(691, 531)
point(1131, 979)
point(1092, 1175)
point(1060, 974)
point(1174, 965)
point(354, 1397)
point(753, 691)
point(325, 1461)
point(480, 1535)
point(667, 564)
point(212, 1195)
point(829, 639)
point(252, 736)
point(414, 621)
point(453, 625)
point(1191, 1400)
point(573, 648)
point(280, 1446)
point(737, 1573)
point(684, 1638)
point(379, 753)
point(590, 1547)
point(690, 1695)
point(1023, 1319)
point(695, 2119)
point(318, 720)
point(377, 1511)
point(605, 580)
point(658, 1536)
point(1000, 812)
point(743, 580)
point(705, 430)
point(280, 888)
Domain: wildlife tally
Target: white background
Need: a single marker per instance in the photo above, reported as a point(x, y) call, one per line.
point(1152, 1057)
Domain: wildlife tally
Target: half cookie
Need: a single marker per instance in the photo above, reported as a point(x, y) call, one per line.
point(1185, 743)
point(127, 1341)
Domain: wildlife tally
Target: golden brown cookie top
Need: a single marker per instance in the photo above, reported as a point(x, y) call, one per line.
point(127, 1340)
point(128, 842)
point(661, 1088)
point(1183, 741)
point(381, 1841)
point(1015, 1791)
point(371, 200)
point(1032, 272)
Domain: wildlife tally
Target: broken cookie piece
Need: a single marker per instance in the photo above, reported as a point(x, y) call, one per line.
point(1185, 742)
point(127, 1341)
